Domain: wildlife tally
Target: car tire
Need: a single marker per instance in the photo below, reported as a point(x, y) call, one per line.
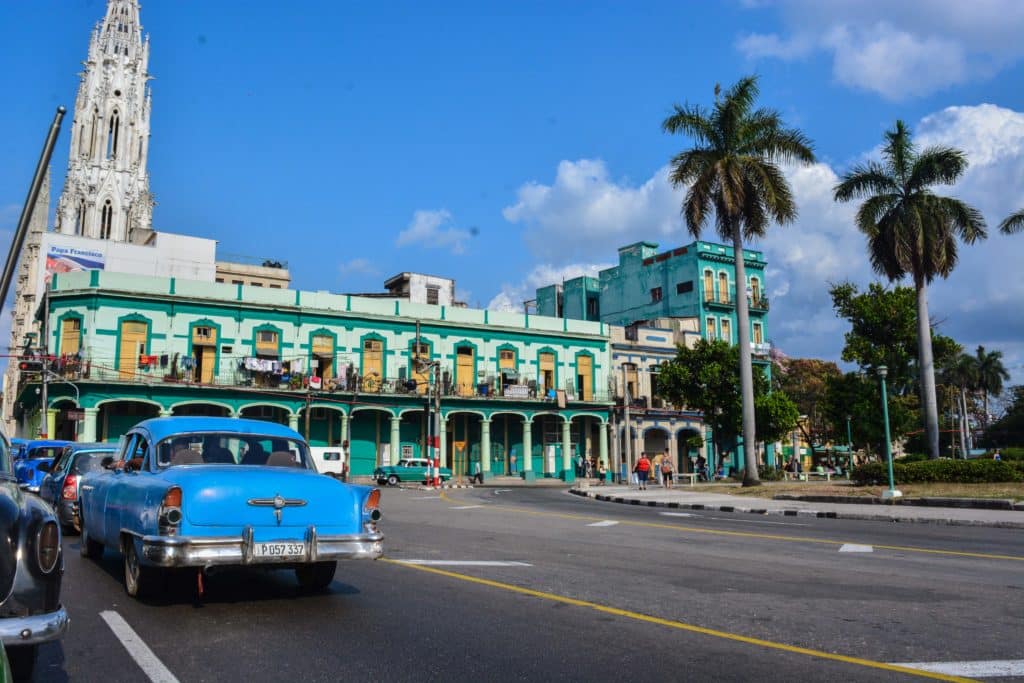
point(22, 659)
point(393, 480)
point(88, 547)
point(138, 579)
point(316, 576)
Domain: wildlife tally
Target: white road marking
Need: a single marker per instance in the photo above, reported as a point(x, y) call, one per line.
point(677, 514)
point(467, 563)
point(497, 491)
point(137, 648)
point(606, 522)
point(465, 507)
point(855, 548)
point(983, 669)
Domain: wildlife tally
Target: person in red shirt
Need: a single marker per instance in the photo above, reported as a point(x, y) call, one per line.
point(643, 470)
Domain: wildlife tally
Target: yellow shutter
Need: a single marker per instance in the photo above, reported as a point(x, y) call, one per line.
point(133, 345)
point(585, 381)
point(373, 357)
point(70, 335)
point(464, 370)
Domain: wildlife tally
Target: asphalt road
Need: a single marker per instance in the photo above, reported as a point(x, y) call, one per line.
point(600, 592)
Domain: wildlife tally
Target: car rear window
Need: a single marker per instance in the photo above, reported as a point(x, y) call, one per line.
point(45, 452)
point(90, 462)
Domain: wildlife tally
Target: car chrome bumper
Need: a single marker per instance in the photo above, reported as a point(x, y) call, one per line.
point(205, 551)
point(35, 629)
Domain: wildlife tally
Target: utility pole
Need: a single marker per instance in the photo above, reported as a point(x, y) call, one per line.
point(44, 428)
point(309, 402)
point(437, 424)
point(627, 436)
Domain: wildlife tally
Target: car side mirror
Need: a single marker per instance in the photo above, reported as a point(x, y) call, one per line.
point(107, 462)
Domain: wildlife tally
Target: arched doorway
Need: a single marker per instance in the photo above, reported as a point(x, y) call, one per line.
point(689, 445)
point(201, 410)
point(325, 423)
point(65, 425)
point(266, 412)
point(370, 433)
point(117, 417)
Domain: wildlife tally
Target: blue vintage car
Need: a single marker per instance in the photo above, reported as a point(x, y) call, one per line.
point(36, 453)
point(59, 487)
point(18, 448)
point(31, 568)
point(212, 491)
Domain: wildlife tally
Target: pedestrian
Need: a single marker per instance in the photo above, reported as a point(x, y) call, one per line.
point(602, 473)
point(656, 468)
point(514, 468)
point(643, 470)
point(589, 469)
point(478, 477)
point(702, 468)
point(344, 461)
point(666, 471)
point(996, 456)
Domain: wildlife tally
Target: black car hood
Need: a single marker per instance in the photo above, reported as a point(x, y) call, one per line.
point(10, 511)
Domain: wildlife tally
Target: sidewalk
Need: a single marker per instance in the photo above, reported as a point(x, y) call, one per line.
point(683, 499)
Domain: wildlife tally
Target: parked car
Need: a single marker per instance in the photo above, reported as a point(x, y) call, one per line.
point(328, 459)
point(18, 448)
point(59, 487)
point(36, 453)
point(31, 567)
point(211, 491)
point(407, 469)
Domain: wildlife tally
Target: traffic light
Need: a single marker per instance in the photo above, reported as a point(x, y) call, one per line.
point(30, 365)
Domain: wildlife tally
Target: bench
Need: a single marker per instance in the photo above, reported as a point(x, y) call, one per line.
point(827, 475)
point(692, 475)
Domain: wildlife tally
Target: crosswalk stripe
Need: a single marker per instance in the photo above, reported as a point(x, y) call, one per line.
point(992, 668)
point(606, 522)
point(855, 548)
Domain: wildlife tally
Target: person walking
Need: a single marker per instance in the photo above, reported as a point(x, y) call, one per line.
point(478, 477)
point(602, 473)
point(702, 468)
point(643, 470)
point(344, 461)
point(667, 471)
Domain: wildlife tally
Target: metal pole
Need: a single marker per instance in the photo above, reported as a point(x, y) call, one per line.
point(892, 492)
point(437, 425)
point(849, 447)
point(627, 436)
point(44, 430)
point(309, 402)
point(30, 205)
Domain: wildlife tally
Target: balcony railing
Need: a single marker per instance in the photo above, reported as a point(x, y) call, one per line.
point(82, 370)
point(759, 303)
point(719, 298)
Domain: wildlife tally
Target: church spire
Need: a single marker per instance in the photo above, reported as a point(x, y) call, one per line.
point(106, 190)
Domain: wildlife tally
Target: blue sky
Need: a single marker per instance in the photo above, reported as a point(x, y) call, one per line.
point(503, 144)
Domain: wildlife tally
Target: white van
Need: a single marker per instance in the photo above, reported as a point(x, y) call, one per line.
point(327, 459)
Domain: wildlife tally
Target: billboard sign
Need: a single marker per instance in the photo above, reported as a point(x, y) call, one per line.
point(64, 259)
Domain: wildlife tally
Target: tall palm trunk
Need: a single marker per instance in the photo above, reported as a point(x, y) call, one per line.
point(751, 477)
point(924, 354)
point(962, 408)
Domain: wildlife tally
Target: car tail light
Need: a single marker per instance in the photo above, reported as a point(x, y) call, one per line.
point(370, 507)
point(170, 512)
point(48, 547)
point(70, 489)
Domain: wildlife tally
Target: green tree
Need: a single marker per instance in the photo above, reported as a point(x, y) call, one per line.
point(706, 378)
point(1008, 430)
point(859, 397)
point(805, 380)
point(991, 375)
point(883, 331)
point(913, 231)
point(1013, 223)
point(777, 415)
point(963, 374)
point(732, 171)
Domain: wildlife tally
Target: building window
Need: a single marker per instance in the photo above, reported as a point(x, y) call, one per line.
point(727, 330)
point(631, 381)
point(275, 286)
point(255, 284)
point(373, 357)
point(80, 218)
point(593, 308)
point(723, 288)
point(709, 286)
point(266, 343)
point(758, 334)
point(755, 289)
point(656, 295)
point(710, 322)
point(433, 294)
point(70, 335)
point(113, 132)
point(684, 287)
point(220, 279)
point(106, 221)
point(237, 282)
point(202, 332)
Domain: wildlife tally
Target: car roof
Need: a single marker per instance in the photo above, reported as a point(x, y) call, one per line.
point(160, 428)
point(47, 443)
point(96, 446)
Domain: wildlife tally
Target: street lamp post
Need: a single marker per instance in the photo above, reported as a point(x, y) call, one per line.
point(893, 492)
point(849, 447)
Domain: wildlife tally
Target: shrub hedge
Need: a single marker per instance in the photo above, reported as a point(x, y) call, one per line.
point(942, 471)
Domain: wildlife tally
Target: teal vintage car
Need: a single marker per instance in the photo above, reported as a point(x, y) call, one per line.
point(407, 469)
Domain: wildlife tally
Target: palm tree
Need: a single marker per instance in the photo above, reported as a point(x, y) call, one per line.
point(991, 375)
point(733, 171)
point(912, 231)
point(963, 374)
point(1013, 223)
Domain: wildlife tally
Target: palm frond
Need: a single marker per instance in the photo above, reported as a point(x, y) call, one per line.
point(1013, 223)
point(692, 120)
point(772, 188)
point(865, 180)
point(699, 201)
point(936, 166)
point(899, 150)
point(963, 219)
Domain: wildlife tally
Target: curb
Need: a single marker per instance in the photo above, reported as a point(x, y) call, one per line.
point(820, 514)
point(962, 503)
point(421, 487)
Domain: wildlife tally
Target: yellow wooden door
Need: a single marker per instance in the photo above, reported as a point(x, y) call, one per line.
point(323, 351)
point(584, 378)
point(547, 371)
point(70, 335)
point(207, 357)
point(133, 345)
point(373, 358)
point(723, 288)
point(420, 375)
point(709, 286)
point(464, 371)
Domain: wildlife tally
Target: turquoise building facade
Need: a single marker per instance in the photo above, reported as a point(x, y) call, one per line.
point(334, 367)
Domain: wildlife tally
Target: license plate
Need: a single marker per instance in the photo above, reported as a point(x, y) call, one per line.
point(279, 549)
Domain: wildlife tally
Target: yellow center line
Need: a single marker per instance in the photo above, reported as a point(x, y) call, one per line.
point(679, 625)
point(748, 534)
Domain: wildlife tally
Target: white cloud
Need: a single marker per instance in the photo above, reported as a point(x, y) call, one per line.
point(584, 213)
point(512, 295)
point(583, 216)
point(433, 229)
point(357, 266)
point(898, 50)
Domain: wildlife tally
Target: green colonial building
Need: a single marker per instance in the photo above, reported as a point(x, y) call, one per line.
point(522, 394)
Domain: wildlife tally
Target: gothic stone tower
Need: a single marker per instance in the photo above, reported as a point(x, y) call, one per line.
point(106, 191)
